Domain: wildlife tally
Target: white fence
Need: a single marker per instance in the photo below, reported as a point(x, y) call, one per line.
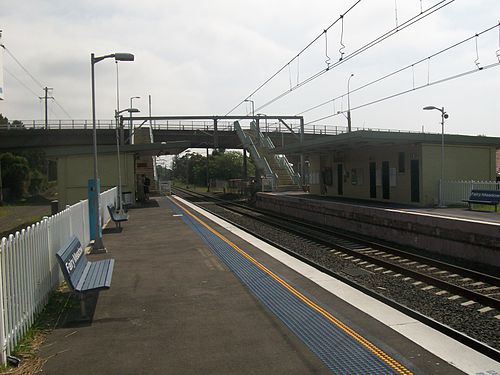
point(455, 191)
point(29, 270)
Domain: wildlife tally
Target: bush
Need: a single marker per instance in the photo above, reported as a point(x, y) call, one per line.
point(38, 182)
point(15, 174)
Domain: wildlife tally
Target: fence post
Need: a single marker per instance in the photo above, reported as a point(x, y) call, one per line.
point(3, 341)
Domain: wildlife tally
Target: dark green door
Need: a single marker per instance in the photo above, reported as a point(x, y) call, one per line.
point(385, 180)
point(340, 180)
point(415, 181)
point(373, 180)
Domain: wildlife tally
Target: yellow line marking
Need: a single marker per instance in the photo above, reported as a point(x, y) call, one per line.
point(367, 344)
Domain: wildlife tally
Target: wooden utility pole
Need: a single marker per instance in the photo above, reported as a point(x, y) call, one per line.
point(46, 98)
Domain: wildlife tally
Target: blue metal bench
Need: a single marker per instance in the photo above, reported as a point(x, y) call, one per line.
point(487, 197)
point(82, 275)
point(117, 217)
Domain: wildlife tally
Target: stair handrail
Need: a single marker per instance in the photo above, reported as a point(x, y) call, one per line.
point(281, 159)
point(259, 160)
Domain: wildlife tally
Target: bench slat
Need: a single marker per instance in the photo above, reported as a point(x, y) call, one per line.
point(99, 275)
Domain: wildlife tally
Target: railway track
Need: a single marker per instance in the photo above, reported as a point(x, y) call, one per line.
point(361, 259)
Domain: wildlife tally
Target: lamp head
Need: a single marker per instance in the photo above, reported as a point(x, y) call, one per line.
point(124, 57)
point(129, 110)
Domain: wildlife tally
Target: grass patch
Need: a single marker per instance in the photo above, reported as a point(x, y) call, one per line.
point(29, 346)
point(20, 227)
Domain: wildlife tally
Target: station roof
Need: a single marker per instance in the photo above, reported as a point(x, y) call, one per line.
point(366, 138)
point(163, 148)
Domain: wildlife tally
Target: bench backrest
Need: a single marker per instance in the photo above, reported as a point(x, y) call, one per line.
point(485, 195)
point(72, 259)
point(111, 210)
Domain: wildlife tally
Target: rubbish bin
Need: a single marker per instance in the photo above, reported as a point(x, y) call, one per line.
point(126, 198)
point(54, 207)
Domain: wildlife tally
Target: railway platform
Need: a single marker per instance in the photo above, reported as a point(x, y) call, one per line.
point(193, 295)
point(468, 237)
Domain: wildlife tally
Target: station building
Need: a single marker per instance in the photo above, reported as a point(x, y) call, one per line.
point(75, 167)
point(399, 167)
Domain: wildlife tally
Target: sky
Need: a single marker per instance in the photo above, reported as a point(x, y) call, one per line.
point(205, 57)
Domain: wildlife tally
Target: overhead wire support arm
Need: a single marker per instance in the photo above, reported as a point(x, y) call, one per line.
point(432, 9)
point(409, 66)
point(292, 59)
point(446, 79)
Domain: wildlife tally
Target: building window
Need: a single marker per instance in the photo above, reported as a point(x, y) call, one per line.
point(401, 162)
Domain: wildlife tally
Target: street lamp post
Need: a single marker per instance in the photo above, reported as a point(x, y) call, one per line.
point(253, 105)
point(349, 104)
point(256, 121)
point(444, 115)
point(131, 123)
point(98, 245)
point(118, 122)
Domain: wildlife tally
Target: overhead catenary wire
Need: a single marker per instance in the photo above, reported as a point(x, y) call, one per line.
point(21, 82)
point(22, 66)
point(463, 74)
point(434, 8)
point(295, 57)
point(62, 108)
point(412, 65)
point(32, 77)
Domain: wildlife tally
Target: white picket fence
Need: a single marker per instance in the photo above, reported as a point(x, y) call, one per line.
point(29, 270)
point(456, 191)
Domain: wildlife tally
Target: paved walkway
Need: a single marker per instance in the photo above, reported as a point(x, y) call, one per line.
point(173, 308)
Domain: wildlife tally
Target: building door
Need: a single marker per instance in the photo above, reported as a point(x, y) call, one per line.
point(340, 180)
point(385, 180)
point(373, 180)
point(415, 181)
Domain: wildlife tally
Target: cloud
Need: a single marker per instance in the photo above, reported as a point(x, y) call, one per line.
point(203, 57)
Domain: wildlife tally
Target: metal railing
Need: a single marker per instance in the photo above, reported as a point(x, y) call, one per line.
point(260, 162)
point(280, 159)
point(454, 192)
point(29, 270)
point(196, 125)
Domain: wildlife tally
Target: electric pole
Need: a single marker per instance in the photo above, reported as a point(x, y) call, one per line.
point(46, 98)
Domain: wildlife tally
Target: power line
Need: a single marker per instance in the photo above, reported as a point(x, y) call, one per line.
point(295, 57)
point(22, 66)
point(60, 106)
point(362, 49)
point(21, 82)
point(412, 65)
point(463, 74)
point(32, 77)
point(407, 23)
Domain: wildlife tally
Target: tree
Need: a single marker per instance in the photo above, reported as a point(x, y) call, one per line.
point(15, 174)
point(163, 173)
point(5, 121)
point(191, 168)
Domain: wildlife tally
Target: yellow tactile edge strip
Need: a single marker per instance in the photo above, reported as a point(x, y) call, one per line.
point(367, 344)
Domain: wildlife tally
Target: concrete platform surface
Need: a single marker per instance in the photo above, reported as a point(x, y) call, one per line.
point(175, 308)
